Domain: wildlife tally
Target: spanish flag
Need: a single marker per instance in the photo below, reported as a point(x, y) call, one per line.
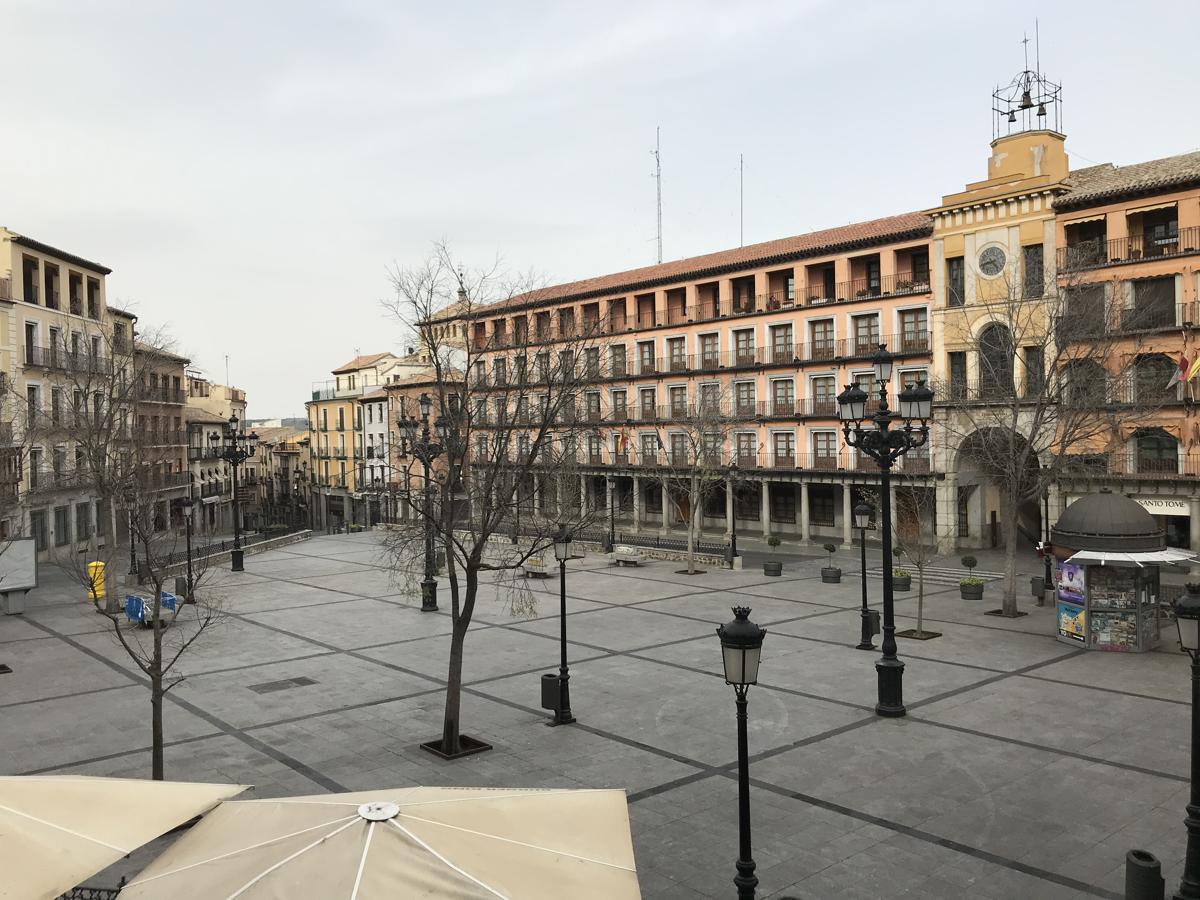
point(1181, 371)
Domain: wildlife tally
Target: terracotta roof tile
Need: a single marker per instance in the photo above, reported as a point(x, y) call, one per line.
point(815, 243)
point(360, 362)
point(1098, 184)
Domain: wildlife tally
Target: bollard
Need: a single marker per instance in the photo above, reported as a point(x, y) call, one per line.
point(551, 695)
point(1143, 876)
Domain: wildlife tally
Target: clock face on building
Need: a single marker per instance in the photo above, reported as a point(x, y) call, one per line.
point(991, 261)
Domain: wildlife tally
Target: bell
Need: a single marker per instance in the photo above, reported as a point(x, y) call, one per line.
point(1041, 110)
point(1012, 115)
point(1026, 100)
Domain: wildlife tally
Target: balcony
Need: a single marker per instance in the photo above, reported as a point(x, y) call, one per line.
point(212, 489)
point(195, 454)
point(900, 284)
point(1133, 465)
point(161, 394)
point(1098, 253)
point(162, 438)
point(60, 359)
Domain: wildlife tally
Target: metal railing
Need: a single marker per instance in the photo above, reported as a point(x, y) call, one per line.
point(898, 284)
point(1100, 252)
point(61, 359)
point(161, 394)
point(1132, 465)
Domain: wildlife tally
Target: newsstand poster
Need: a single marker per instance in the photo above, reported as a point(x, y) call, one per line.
point(1071, 622)
point(1070, 583)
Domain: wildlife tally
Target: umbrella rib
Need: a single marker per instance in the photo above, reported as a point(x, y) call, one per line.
point(282, 837)
point(496, 837)
point(362, 863)
point(466, 875)
point(25, 815)
point(507, 796)
point(287, 859)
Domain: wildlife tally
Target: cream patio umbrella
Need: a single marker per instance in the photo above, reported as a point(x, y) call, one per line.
point(406, 842)
point(57, 830)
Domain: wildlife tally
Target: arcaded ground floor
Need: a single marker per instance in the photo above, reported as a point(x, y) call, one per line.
point(1025, 768)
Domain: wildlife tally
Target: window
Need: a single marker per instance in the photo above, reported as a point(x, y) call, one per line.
point(781, 343)
point(617, 356)
point(500, 371)
point(56, 405)
point(783, 397)
point(619, 410)
point(647, 401)
point(744, 398)
point(913, 377)
point(824, 449)
point(83, 521)
point(710, 398)
point(914, 330)
point(591, 357)
point(791, 290)
point(676, 354)
point(873, 278)
point(747, 502)
point(679, 450)
point(956, 289)
point(743, 342)
point(1035, 371)
point(35, 466)
point(645, 357)
point(821, 504)
point(747, 448)
point(820, 333)
point(480, 372)
point(783, 503)
point(958, 374)
point(709, 352)
point(866, 334)
point(543, 366)
point(62, 526)
point(1153, 304)
point(824, 396)
point(1033, 270)
point(648, 448)
point(33, 402)
point(784, 444)
point(678, 400)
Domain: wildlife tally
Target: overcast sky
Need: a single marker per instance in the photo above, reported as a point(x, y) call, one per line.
point(250, 170)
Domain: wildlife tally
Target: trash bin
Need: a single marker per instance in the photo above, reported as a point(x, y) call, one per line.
point(181, 585)
point(874, 616)
point(550, 692)
point(96, 589)
point(1143, 876)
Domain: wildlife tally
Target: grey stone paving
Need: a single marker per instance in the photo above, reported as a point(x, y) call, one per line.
point(1025, 768)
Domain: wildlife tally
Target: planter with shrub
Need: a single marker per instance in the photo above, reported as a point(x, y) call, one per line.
point(971, 587)
point(773, 566)
point(831, 574)
point(901, 579)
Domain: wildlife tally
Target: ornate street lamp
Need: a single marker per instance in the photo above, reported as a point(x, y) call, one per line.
point(424, 448)
point(862, 521)
point(563, 552)
point(1187, 619)
point(731, 486)
point(235, 447)
point(188, 506)
point(886, 445)
point(741, 651)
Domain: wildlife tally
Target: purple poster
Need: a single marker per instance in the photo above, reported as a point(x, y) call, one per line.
point(1070, 583)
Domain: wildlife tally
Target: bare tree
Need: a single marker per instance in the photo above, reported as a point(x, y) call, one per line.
point(511, 416)
point(100, 451)
point(688, 461)
point(916, 510)
point(1053, 386)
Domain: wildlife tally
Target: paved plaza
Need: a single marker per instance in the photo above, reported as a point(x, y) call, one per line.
point(1025, 768)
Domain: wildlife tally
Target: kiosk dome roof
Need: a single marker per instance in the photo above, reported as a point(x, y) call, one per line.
point(1107, 521)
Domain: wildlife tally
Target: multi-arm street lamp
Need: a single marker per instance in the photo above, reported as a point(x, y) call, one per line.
point(235, 447)
point(188, 506)
point(426, 449)
point(741, 651)
point(862, 521)
point(1187, 619)
point(886, 445)
point(562, 552)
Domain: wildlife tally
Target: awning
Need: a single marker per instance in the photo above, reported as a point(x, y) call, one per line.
point(1167, 557)
point(1102, 217)
point(1151, 208)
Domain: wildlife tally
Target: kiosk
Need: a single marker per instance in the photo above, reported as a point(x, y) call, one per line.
point(1107, 553)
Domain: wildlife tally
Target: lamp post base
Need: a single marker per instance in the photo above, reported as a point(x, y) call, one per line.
point(429, 595)
point(235, 561)
point(891, 688)
point(865, 642)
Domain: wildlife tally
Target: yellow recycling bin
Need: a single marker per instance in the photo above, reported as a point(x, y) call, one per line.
point(96, 577)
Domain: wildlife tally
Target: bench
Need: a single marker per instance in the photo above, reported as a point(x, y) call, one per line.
point(534, 567)
point(627, 556)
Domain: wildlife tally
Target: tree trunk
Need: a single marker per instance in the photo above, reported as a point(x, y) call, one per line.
point(692, 529)
point(1009, 607)
point(453, 691)
point(156, 726)
point(921, 599)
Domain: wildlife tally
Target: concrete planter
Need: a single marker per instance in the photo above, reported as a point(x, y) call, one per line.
point(971, 591)
point(831, 575)
point(772, 568)
point(902, 582)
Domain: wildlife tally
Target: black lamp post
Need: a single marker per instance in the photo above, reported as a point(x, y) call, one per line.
point(741, 651)
point(188, 507)
point(235, 447)
point(610, 540)
point(862, 521)
point(1187, 618)
point(426, 449)
point(562, 552)
point(731, 487)
point(886, 445)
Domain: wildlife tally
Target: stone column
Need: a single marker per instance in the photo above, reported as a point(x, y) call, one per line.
point(637, 504)
point(608, 496)
point(584, 489)
point(765, 508)
point(728, 508)
point(895, 514)
point(537, 496)
point(946, 513)
point(804, 514)
point(847, 516)
point(1194, 523)
point(666, 510)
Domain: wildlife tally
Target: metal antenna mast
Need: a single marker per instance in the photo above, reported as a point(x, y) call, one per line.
point(658, 183)
point(741, 201)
